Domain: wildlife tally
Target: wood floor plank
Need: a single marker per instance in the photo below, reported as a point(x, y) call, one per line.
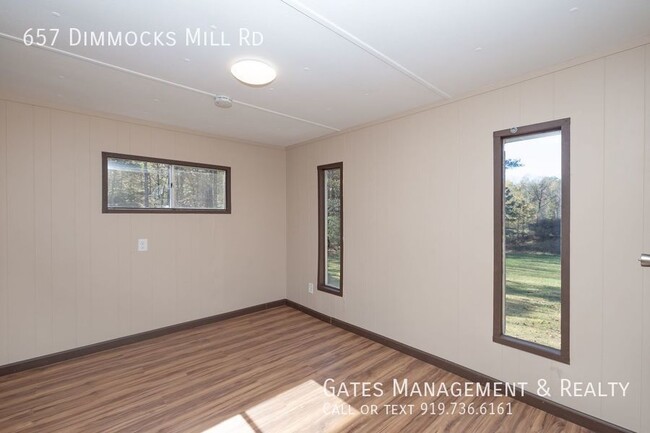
point(263, 372)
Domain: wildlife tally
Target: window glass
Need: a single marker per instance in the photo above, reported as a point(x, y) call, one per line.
point(532, 237)
point(140, 184)
point(330, 228)
point(196, 187)
point(137, 184)
point(333, 221)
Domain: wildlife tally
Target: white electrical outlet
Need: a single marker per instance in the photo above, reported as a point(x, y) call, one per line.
point(310, 288)
point(143, 245)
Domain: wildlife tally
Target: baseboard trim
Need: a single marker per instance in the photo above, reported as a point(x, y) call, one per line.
point(54, 358)
point(561, 411)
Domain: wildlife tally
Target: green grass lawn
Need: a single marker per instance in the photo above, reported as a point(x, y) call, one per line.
point(334, 269)
point(533, 297)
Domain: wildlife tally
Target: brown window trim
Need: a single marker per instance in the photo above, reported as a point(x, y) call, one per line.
point(561, 355)
point(106, 209)
point(322, 265)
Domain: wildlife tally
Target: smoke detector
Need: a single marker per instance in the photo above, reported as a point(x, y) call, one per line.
point(223, 101)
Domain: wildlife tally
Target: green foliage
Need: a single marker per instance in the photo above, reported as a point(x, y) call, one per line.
point(137, 184)
point(199, 187)
point(141, 184)
point(546, 229)
point(334, 235)
point(519, 213)
point(532, 210)
point(333, 185)
point(545, 194)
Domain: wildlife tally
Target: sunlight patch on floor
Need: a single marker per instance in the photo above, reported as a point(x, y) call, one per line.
point(236, 424)
point(306, 407)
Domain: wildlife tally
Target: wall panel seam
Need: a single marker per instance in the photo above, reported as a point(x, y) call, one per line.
point(51, 285)
point(34, 232)
point(602, 229)
point(644, 276)
point(5, 340)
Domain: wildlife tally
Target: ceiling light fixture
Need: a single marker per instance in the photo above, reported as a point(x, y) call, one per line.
point(253, 72)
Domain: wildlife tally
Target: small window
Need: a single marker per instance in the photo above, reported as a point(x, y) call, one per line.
point(531, 238)
point(137, 184)
point(330, 228)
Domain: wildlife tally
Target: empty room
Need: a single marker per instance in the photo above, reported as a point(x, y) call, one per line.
point(279, 216)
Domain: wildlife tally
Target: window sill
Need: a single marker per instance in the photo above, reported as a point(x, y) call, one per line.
point(167, 211)
point(534, 348)
point(330, 290)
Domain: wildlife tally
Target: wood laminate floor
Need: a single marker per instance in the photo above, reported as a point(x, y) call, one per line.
point(259, 373)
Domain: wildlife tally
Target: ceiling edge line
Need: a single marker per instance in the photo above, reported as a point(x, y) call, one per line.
point(333, 27)
point(167, 127)
point(544, 72)
point(157, 79)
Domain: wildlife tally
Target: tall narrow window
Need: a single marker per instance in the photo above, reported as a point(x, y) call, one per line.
point(531, 238)
point(140, 184)
point(330, 228)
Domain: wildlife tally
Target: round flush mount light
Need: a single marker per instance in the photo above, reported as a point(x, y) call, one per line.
point(253, 72)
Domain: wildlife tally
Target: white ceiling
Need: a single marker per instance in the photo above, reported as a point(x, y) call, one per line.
point(340, 63)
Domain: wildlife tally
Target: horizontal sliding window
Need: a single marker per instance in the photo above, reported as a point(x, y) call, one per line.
point(330, 228)
point(532, 239)
point(140, 184)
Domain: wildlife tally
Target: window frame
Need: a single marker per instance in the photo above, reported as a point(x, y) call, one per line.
point(563, 354)
point(171, 162)
point(322, 257)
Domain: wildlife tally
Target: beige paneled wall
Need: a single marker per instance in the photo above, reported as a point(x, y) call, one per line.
point(71, 276)
point(418, 231)
point(419, 223)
